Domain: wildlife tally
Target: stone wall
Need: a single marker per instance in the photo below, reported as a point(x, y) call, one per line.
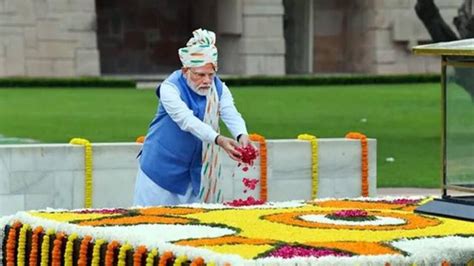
point(373, 36)
point(37, 176)
point(263, 44)
point(251, 40)
point(48, 38)
point(59, 37)
point(397, 29)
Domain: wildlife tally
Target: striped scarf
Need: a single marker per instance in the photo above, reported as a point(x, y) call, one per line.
point(210, 190)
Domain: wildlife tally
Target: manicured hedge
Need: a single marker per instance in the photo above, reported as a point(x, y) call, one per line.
point(230, 80)
point(66, 82)
point(329, 80)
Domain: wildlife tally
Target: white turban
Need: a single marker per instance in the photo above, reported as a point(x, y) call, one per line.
point(199, 50)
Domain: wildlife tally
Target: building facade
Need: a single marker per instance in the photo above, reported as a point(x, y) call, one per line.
point(61, 38)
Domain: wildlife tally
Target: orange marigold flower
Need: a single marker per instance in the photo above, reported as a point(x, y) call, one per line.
point(364, 161)
point(11, 244)
point(140, 139)
point(138, 255)
point(57, 244)
point(198, 262)
point(83, 251)
point(165, 258)
point(34, 245)
point(110, 253)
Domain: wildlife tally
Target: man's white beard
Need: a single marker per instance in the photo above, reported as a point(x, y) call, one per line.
point(193, 87)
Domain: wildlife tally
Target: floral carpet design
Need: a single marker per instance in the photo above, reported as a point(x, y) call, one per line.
point(321, 232)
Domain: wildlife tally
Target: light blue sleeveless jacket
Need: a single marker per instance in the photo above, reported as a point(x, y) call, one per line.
point(170, 156)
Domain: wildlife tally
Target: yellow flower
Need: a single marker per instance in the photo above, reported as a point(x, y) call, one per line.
point(68, 252)
point(21, 244)
point(314, 162)
point(123, 254)
point(96, 252)
point(88, 169)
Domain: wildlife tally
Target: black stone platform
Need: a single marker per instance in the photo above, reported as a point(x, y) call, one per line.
point(452, 207)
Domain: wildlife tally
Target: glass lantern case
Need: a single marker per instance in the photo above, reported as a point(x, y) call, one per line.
point(457, 130)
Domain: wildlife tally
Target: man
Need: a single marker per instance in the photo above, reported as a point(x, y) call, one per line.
point(179, 159)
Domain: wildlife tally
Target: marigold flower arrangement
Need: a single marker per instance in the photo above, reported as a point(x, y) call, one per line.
point(88, 181)
point(314, 163)
point(322, 231)
point(364, 160)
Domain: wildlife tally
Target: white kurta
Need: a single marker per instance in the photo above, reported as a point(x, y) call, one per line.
point(147, 193)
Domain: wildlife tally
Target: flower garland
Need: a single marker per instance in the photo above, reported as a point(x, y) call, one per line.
point(88, 169)
point(180, 260)
point(314, 162)
point(34, 245)
point(150, 258)
point(167, 256)
point(364, 161)
point(45, 248)
point(82, 261)
point(10, 254)
point(56, 253)
point(96, 252)
point(263, 165)
point(69, 249)
point(109, 254)
point(137, 256)
point(20, 258)
point(122, 256)
point(11, 244)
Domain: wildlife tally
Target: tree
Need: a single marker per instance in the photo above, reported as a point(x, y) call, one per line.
point(428, 13)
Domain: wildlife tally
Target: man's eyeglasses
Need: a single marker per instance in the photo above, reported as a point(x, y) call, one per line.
point(202, 75)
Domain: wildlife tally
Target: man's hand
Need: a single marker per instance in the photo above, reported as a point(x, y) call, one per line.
point(229, 146)
point(244, 140)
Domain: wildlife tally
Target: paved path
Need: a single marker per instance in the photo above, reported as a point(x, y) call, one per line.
point(410, 191)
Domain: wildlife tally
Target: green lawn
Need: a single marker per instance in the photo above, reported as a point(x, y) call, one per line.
point(404, 118)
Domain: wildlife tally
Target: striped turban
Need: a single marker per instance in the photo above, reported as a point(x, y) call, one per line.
point(199, 50)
